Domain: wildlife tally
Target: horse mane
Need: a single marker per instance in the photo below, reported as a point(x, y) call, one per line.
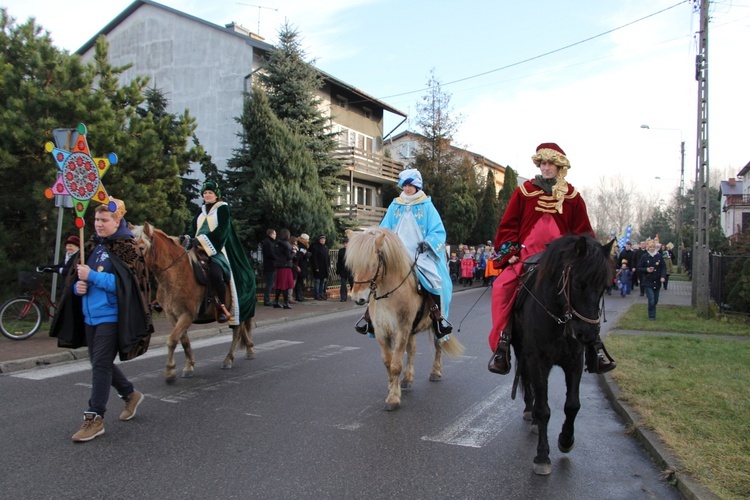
point(364, 245)
point(585, 255)
point(138, 233)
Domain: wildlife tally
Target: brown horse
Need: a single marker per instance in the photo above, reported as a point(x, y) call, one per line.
point(181, 296)
point(385, 278)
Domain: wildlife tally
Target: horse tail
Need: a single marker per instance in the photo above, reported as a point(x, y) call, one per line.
point(452, 347)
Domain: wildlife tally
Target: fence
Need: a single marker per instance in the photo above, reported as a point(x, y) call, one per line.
point(333, 283)
point(729, 288)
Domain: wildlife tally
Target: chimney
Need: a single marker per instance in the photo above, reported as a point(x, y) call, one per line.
point(237, 28)
point(732, 181)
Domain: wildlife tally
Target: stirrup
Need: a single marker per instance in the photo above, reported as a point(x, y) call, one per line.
point(364, 326)
point(443, 329)
point(222, 315)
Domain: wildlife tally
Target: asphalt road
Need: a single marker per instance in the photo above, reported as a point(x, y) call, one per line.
point(305, 419)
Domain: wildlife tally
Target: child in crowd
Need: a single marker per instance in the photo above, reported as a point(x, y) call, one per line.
point(625, 278)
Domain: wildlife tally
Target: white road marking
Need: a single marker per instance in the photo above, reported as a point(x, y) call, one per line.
point(59, 370)
point(481, 422)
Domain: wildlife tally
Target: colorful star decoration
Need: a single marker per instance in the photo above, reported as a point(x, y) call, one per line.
point(80, 175)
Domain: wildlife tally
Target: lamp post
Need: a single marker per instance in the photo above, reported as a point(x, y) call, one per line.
point(680, 191)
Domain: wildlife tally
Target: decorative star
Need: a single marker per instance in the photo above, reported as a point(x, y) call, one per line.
point(80, 175)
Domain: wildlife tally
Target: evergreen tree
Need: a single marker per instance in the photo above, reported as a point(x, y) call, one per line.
point(274, 178)
point(291, 85)
point(510, 183)
point(487, 219)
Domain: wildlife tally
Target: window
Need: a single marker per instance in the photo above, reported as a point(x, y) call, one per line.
point(342, 101)
point(352, 138)
point(365, 195)
point(409, 149)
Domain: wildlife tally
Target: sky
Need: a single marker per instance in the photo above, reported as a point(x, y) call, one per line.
point(586, 74)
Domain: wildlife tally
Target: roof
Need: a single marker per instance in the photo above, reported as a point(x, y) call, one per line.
point(139, 3)
point(727, 189)
point(744, 170)
point(249, 40)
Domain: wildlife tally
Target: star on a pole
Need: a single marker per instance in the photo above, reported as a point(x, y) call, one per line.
point(80, 175)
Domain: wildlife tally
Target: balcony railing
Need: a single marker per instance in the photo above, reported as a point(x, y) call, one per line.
point(737, 200)
point(364, 215)
point(366, 162)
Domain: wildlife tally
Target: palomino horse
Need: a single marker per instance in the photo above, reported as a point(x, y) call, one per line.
point(558, 312)
point(385, 277)
point(181, 296)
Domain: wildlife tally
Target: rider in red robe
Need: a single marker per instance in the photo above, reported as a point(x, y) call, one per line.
point(539, 211)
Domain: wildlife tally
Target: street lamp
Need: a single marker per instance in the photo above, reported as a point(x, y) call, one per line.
point(679, 194)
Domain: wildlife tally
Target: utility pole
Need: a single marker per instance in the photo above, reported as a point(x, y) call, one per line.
point(700, 259)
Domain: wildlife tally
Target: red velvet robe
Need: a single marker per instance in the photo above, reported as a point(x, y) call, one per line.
point(533, 220)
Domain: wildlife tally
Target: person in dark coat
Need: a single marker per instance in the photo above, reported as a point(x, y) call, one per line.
point(109, 304)
point(653, 273)
point(283, 262)
point(302, 260)
point(637, 254)
point(343, 272)
point(268, 249)
point(320, 260)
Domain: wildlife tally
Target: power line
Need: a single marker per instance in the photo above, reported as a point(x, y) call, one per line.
point(540, 55)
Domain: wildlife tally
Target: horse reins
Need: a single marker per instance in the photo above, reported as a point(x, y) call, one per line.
point(152, 250)
point(564, 283)
point(373, 284)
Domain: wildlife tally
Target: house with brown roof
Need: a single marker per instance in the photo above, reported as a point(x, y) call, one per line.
point(206, 69)
point(734, 195)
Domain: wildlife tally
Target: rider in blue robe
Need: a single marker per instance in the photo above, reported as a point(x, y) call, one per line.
point(416, 221)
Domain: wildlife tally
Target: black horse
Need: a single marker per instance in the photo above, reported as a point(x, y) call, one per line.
point(557, 314)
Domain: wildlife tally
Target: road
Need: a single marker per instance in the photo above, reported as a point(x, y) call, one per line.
point(305, 419)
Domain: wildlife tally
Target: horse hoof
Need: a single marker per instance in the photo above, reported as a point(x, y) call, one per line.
point(170, 380)
point(391, 406)
point(535, 428)
point(435, 378)
point(250, 355)
point(405, 385)
point(188, 374)
point(527, 416)
point(226, 366)
point(543, 469)
point(563, 448)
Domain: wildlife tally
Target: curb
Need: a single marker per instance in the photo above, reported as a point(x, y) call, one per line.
point(158, 341)
point(672, 468)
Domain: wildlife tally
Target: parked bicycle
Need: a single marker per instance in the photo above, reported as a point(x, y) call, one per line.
point(21, 317)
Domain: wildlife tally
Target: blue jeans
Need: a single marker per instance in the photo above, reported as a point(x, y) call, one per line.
point(624, 289)
point(268, 276)
point(652, 294)
point(320, 288)
point(102, 343)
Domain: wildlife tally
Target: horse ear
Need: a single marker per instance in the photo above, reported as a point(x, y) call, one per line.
point(608, 247)
point(349, 233)
point(379, 241)
point(580, 246)
point(147, 229)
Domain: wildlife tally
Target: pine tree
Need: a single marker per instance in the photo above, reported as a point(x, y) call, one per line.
point(291, 85)
point(274, 177)
point(487, 219)
point(510, 183)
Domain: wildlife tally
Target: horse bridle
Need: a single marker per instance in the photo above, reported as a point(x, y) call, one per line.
point(373, 284)
point(152, 250)
point(570, 311)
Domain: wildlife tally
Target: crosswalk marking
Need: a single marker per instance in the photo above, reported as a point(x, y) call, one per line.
point(481, 422)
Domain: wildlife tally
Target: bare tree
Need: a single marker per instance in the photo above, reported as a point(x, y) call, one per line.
point(614, 204)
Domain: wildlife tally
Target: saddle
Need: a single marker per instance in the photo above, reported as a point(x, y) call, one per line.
point(201, 273)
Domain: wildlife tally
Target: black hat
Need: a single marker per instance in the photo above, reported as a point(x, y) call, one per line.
point(322, 236)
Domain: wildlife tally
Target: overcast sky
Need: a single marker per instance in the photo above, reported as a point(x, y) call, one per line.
point(629, 63)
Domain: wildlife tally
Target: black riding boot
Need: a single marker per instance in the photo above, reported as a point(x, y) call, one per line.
point(443, 327)
point(363, 324)
point(598, 359)
point(286, 300)
point(220, 291)
point(500, 361)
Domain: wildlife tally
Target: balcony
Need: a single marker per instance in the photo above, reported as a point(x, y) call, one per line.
point(364, 215)
point(737, 200)
point(368, 165)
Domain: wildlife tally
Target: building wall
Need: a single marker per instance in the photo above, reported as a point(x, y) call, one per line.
point(198, 68)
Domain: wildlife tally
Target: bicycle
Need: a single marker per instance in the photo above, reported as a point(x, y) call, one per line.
point(21, 317)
